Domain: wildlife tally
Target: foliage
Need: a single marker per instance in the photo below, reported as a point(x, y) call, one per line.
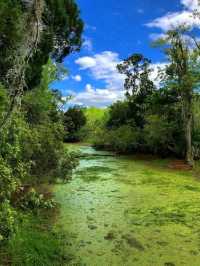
point(95, 118)
point(33, 200)
point(123, 139)
point(35, 37)
point(11, 28)
point(7, 220)
point(162, 136)
point(28, 246)
point(196, 127)
point(163, 120)
point(120, 113)
point(59, 34)
point(138, 85)
point(8, 184)
point(74, 119)
point(182, 75)
point(32, 150)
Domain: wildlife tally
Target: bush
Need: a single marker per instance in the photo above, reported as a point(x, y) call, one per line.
point(8, 183)
point(119, 114)
point(7, 220)
point(74, 120)
point(32, 200)
point(124, 139)
point(96, 119)
point(31, 152)
point(162, 136)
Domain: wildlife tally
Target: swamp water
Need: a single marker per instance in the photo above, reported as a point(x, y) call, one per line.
point(123, 211)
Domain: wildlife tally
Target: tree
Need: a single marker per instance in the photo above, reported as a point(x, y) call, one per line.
point(182, 76)
point(119, 114)
point(74, 120)
point(138, 85)
point(31, 130)
point(30, 32)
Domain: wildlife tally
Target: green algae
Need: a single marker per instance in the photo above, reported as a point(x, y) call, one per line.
point(124, 211)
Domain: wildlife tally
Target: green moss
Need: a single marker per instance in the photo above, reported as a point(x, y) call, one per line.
point(115, 211)
point(90, 174)
point(134, 212)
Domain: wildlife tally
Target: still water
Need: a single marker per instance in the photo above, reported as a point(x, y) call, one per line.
point(124, 211)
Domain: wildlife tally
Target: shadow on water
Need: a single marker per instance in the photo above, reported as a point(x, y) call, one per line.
point(120, 211)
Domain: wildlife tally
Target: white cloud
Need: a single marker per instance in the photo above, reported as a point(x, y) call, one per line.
point(103, 67)
point(77, 78)
point(86, 62)
point(89, 88)
point(156, 36)
point(174, 19)
point(96, 97)
point(190, 4)
point(87, 44)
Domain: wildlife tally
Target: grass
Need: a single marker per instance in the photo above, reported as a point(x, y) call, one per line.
point(35, 243)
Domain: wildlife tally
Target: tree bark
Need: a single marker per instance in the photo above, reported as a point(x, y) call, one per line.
point(188, 117)
point(188, 138)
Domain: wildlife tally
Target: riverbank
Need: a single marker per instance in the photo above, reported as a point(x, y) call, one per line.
point(36, 240)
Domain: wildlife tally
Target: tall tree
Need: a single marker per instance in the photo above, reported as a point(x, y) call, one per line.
point(30, 32)
point(138, 85)
point(182, 75)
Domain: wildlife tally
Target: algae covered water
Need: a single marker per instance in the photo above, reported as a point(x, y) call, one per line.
point(119, 210)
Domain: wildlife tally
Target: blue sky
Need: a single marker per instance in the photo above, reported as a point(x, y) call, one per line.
point(114, 29)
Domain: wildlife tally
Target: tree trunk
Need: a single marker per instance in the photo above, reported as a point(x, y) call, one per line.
point(188, 130)
point(188, 138)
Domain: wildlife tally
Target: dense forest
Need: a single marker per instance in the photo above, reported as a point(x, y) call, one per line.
point(156, 117)
point(35, 36)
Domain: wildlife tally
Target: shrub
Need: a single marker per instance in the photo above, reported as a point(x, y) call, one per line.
point(124, 139)
point(74, 120)
point(33, 200)
point(7, 220)
point(8, 183)
point(162, 136)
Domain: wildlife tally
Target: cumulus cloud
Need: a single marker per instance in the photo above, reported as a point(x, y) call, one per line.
point(174, 19)
point(190, 4)
point(86, 62)
point(77, 78)
point(102, 67)
point(92, 96)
